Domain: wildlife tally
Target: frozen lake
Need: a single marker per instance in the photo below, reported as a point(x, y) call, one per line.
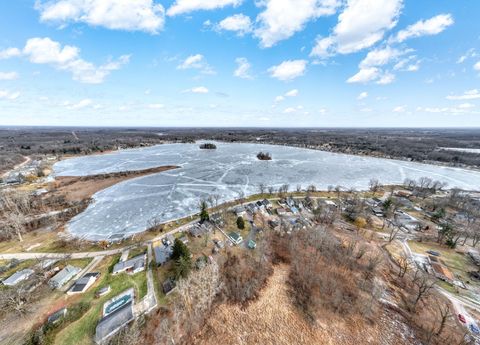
point(127, 207)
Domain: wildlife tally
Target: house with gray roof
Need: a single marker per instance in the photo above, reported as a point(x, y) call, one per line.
point(62, 277)
point(18, 277)
point(114, 322)
point(82, 284)
point(132, 266)
point(163, 253)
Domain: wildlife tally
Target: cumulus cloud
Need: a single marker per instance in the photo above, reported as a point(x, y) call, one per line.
point(371, 67)
point(243, 68)
point(288, 70)
point(429, 27)
point(84, 103)
point(198, 62)
point(282, 19)
point(198, 89)
point(365, 75)
point(467, 95)
point(476, 67)
point(130, 15)
point(5, 94)
point(67, 58)
point(9, 53)
point(471, 53)
point(186, 6)
point(292, 93)
point(361, 24)
point(362, 95)
point(239, 23)
point(8, 75)
point(381, 57)
point(399, 109)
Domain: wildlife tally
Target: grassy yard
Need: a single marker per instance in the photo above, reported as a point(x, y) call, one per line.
point(19, 267)
point(137, 251)
point(81, 331)
point(458, 263)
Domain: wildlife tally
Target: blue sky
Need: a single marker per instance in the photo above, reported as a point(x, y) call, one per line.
point(272, 63)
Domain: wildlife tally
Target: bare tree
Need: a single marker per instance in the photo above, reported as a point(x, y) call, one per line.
point(261, 188)
point(403, 264)
point(444, 312)
point(374, 185)
point(423, 283)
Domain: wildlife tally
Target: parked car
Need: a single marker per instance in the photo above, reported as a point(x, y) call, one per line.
point(474, 329)
point(462, 318)
point(432, 252)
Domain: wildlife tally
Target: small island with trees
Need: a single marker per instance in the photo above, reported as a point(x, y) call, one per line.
point(208, 146)
point(264, 156)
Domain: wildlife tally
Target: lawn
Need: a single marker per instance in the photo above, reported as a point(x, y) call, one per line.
point(458, 263)
point(137, 251)
point(23, 264)
point(81, 331)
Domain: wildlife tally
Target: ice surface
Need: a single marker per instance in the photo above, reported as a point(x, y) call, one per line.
point(127, 207)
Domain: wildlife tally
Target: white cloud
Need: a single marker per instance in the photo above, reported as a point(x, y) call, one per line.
point(429, 27)
point(445, 110)
point(370, 66)
point(243, 68)
point(198, 89)
point(130, 15)
point(365, 75)
point(381, 57)
point(289, 110)
point(362, 95)
point(476, 67)
point(466, 106)
point(185, 6)
point(239, 23)
point(471, 53)
point(386, 78)
point(292, 93)
point(9, 53)
point(5, 94)
point(282, 19)
point(400, 109)
point(67, 58)
point(288, 70)
point(361, 24)
point(8, 75)
point(196, 61)
point(467, 95)
point(156, 106)
point(84, 103)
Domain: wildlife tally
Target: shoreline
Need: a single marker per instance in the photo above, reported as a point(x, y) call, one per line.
point(81, 188)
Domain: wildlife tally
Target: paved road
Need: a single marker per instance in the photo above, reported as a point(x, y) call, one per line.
point(149, 302)
point(458, 303)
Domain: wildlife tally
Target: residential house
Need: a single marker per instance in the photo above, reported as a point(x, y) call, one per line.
point(132, 266)
point(114, 322)
point(18, 277)
point(163, 253)
point(57, 316)
point(235, 237)
point(84, 283)
point(62, 277)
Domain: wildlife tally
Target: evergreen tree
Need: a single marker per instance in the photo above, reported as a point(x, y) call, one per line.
point(240, 223)
point(180, 250)
point(203, 211)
